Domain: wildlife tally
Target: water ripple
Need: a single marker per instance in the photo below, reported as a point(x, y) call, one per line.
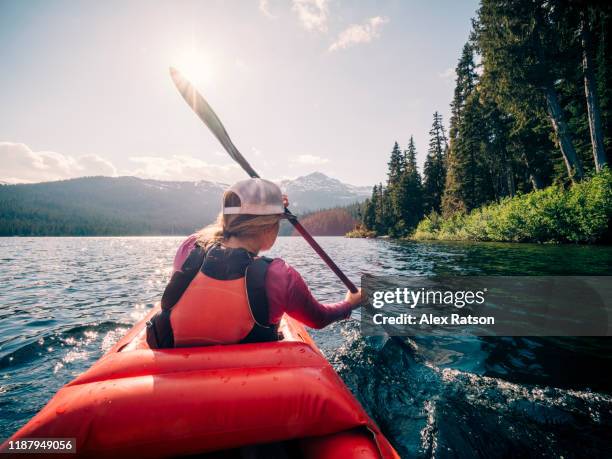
point(65, 301)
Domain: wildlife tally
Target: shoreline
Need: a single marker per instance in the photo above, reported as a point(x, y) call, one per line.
point(474, 241)
point(580, 214)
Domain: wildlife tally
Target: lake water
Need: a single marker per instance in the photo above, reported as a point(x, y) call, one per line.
point(65, 301)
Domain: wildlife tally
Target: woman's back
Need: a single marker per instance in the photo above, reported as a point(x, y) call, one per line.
point(222, 292)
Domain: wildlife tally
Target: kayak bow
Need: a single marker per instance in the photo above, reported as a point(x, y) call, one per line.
point(140, 402)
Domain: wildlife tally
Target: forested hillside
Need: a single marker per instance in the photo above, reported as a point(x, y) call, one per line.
point(107, 206)
point(532, 108)
point(111, 206)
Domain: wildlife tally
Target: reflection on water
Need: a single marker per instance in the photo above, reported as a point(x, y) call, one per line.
point(66, 300)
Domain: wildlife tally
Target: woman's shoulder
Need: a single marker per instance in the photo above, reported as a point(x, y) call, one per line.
point(280, 268)
point(183, 251)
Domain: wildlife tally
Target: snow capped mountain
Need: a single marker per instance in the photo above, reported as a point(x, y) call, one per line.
point(318, 191)
point(201, 187)
point(310, 192)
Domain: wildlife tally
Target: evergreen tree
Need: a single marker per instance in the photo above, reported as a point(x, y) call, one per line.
point(410, 156)
point(396, 166)
point(369, 214)
point(602, 42)
point(410, 195)
point(469, 183)
point(498, 161)
point(520, 50)
point(453, 196)
point(465, 83)
point(538, 112)
point(575, 25)
point(396, 170)
point(384, 214)
point(590, 89)
point(434, 169)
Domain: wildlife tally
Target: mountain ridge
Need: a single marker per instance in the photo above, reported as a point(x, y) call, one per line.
point(133, 206)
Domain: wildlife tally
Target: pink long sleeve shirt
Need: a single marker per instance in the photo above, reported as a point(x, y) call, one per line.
point(287, 293)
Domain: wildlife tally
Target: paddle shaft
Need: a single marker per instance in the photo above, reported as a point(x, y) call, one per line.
point(317, 248)
point(205, 112)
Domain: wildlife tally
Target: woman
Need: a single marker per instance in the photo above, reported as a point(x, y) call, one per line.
point(222, 292)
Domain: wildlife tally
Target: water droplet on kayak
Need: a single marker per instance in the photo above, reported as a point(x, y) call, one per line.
point(61, 409)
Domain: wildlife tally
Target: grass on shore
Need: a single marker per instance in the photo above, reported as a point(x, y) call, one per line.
point(580, 214)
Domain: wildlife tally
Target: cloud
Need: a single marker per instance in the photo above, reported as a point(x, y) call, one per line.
point(22, 165)
point(310, 160)
point(313, 14)
point(448, 74)
point(359, 33)
point(264, 7)
point(183, 168)
point(90, 165)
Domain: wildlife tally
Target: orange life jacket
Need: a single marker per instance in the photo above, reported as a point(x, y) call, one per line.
point(218, 297)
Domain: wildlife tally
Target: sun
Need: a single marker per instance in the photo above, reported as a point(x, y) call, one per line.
point(196, 66)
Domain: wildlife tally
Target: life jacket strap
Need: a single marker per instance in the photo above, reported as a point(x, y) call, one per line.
point(256, 290)
point(159, 328)
point(258, 302)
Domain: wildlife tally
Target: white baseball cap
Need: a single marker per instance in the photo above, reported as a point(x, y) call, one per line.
point(257, 197)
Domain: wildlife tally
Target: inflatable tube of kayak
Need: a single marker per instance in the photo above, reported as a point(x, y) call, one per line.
point(139, 402)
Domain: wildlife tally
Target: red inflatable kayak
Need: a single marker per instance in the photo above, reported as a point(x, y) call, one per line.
point(138, 402)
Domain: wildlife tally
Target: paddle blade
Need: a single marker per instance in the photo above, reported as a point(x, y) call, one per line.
point(197, 103)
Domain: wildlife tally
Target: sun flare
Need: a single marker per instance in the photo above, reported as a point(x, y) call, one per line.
point(196, 66)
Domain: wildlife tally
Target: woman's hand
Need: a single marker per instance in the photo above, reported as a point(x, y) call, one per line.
point(354, 299)
point(285, 201)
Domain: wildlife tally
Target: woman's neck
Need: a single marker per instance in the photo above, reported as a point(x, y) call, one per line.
point(238, 243)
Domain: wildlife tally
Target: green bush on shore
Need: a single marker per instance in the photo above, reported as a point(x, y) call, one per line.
point(582, 213)
point(361, 232)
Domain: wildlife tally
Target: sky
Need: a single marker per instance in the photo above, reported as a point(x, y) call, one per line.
point(300, 85)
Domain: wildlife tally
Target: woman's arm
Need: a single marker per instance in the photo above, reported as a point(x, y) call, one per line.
point(288, 293)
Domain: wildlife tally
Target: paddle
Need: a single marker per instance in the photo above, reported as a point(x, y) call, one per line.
point(197, 103)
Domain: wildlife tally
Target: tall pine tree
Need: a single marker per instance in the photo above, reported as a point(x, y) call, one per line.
point(520, 48)
point(434, 169)
point(396, 166)
point(469, 179)
point(410, 193)
point(465, 83)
